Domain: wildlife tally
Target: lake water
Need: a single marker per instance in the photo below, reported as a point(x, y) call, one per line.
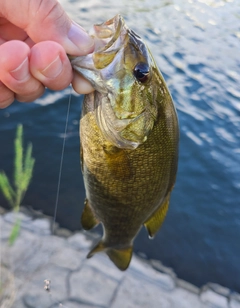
point(197, 47)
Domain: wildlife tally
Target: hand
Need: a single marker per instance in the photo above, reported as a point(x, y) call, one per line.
point(35, 38)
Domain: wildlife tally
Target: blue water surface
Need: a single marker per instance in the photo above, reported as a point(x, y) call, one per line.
point(196, 45)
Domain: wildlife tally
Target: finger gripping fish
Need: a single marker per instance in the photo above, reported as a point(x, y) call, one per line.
point(129, 140)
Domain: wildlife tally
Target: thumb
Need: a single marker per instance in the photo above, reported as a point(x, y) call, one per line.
point(46, 20)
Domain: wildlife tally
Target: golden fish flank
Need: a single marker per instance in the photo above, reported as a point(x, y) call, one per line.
point(129, 140)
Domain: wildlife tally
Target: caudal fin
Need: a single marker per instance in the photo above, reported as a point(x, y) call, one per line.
point(120, 257)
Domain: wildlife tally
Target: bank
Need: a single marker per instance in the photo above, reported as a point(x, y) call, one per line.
point(42, 270)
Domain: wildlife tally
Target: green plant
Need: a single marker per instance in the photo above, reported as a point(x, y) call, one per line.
point(23, 170)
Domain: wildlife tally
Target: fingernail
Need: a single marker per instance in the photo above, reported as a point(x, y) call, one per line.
point(22, 71)
point(82, 43)
point(53, 69)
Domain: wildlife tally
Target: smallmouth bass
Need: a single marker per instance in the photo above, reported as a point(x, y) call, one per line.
point(129, 140)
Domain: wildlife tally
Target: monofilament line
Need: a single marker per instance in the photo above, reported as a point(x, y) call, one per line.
point(1, 253)
point(61, 163)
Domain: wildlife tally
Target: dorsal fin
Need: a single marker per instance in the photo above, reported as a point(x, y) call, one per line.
point(88, 219)
point(154, 223)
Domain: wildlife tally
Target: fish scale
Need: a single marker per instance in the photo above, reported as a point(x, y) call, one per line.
point(129, 143)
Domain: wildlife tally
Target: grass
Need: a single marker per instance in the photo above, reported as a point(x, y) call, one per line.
point(23, 171)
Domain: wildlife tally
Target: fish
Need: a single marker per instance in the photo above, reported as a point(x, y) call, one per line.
point(129, 135)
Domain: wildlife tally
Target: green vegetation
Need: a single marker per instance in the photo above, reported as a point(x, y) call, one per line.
point(23, 170)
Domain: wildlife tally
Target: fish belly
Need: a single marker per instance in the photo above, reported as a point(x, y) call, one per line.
point(124, 187)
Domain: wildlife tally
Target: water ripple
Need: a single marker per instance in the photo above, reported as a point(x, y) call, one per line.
point(196, 46)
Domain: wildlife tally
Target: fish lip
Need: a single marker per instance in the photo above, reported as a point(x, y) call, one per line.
point(119, 25)
point(96, 34)
point(109, 38)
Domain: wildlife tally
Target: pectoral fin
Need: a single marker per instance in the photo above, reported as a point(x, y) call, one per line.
point(88, 219)
point(154, 223)
point(118, 162)
point(120, 257)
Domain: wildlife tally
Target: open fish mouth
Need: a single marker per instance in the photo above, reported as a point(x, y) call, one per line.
point(122, 107)
point(110, 37)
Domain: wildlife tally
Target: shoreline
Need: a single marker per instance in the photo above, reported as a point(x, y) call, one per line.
point(75, 281)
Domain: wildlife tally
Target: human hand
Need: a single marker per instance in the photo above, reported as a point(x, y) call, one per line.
point(35, 38)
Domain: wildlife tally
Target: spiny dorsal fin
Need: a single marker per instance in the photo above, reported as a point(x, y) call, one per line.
point(154, 223)
point(120, 257)
point(88, 219)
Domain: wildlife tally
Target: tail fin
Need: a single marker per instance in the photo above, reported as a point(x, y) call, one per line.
point(120, 257)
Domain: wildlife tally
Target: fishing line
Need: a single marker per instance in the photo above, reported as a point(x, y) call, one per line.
point(0, 252)
point(47, 282)
point(61, 162)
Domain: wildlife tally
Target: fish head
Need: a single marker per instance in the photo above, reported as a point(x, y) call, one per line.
point(121, 69)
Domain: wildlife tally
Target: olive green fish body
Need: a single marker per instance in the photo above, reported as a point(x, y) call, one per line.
point(129, 146)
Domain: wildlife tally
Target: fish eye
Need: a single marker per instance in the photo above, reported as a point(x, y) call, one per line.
point(141, 71)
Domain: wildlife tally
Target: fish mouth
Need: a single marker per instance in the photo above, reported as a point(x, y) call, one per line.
point(108, 33)
point(110, 38)
point(109, 70)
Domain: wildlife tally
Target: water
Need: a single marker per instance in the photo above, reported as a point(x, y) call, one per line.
point(196, 45)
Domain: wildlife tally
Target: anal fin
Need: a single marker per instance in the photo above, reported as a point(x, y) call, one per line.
point(88, 219)
point(121, 257)
point(154, 223)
